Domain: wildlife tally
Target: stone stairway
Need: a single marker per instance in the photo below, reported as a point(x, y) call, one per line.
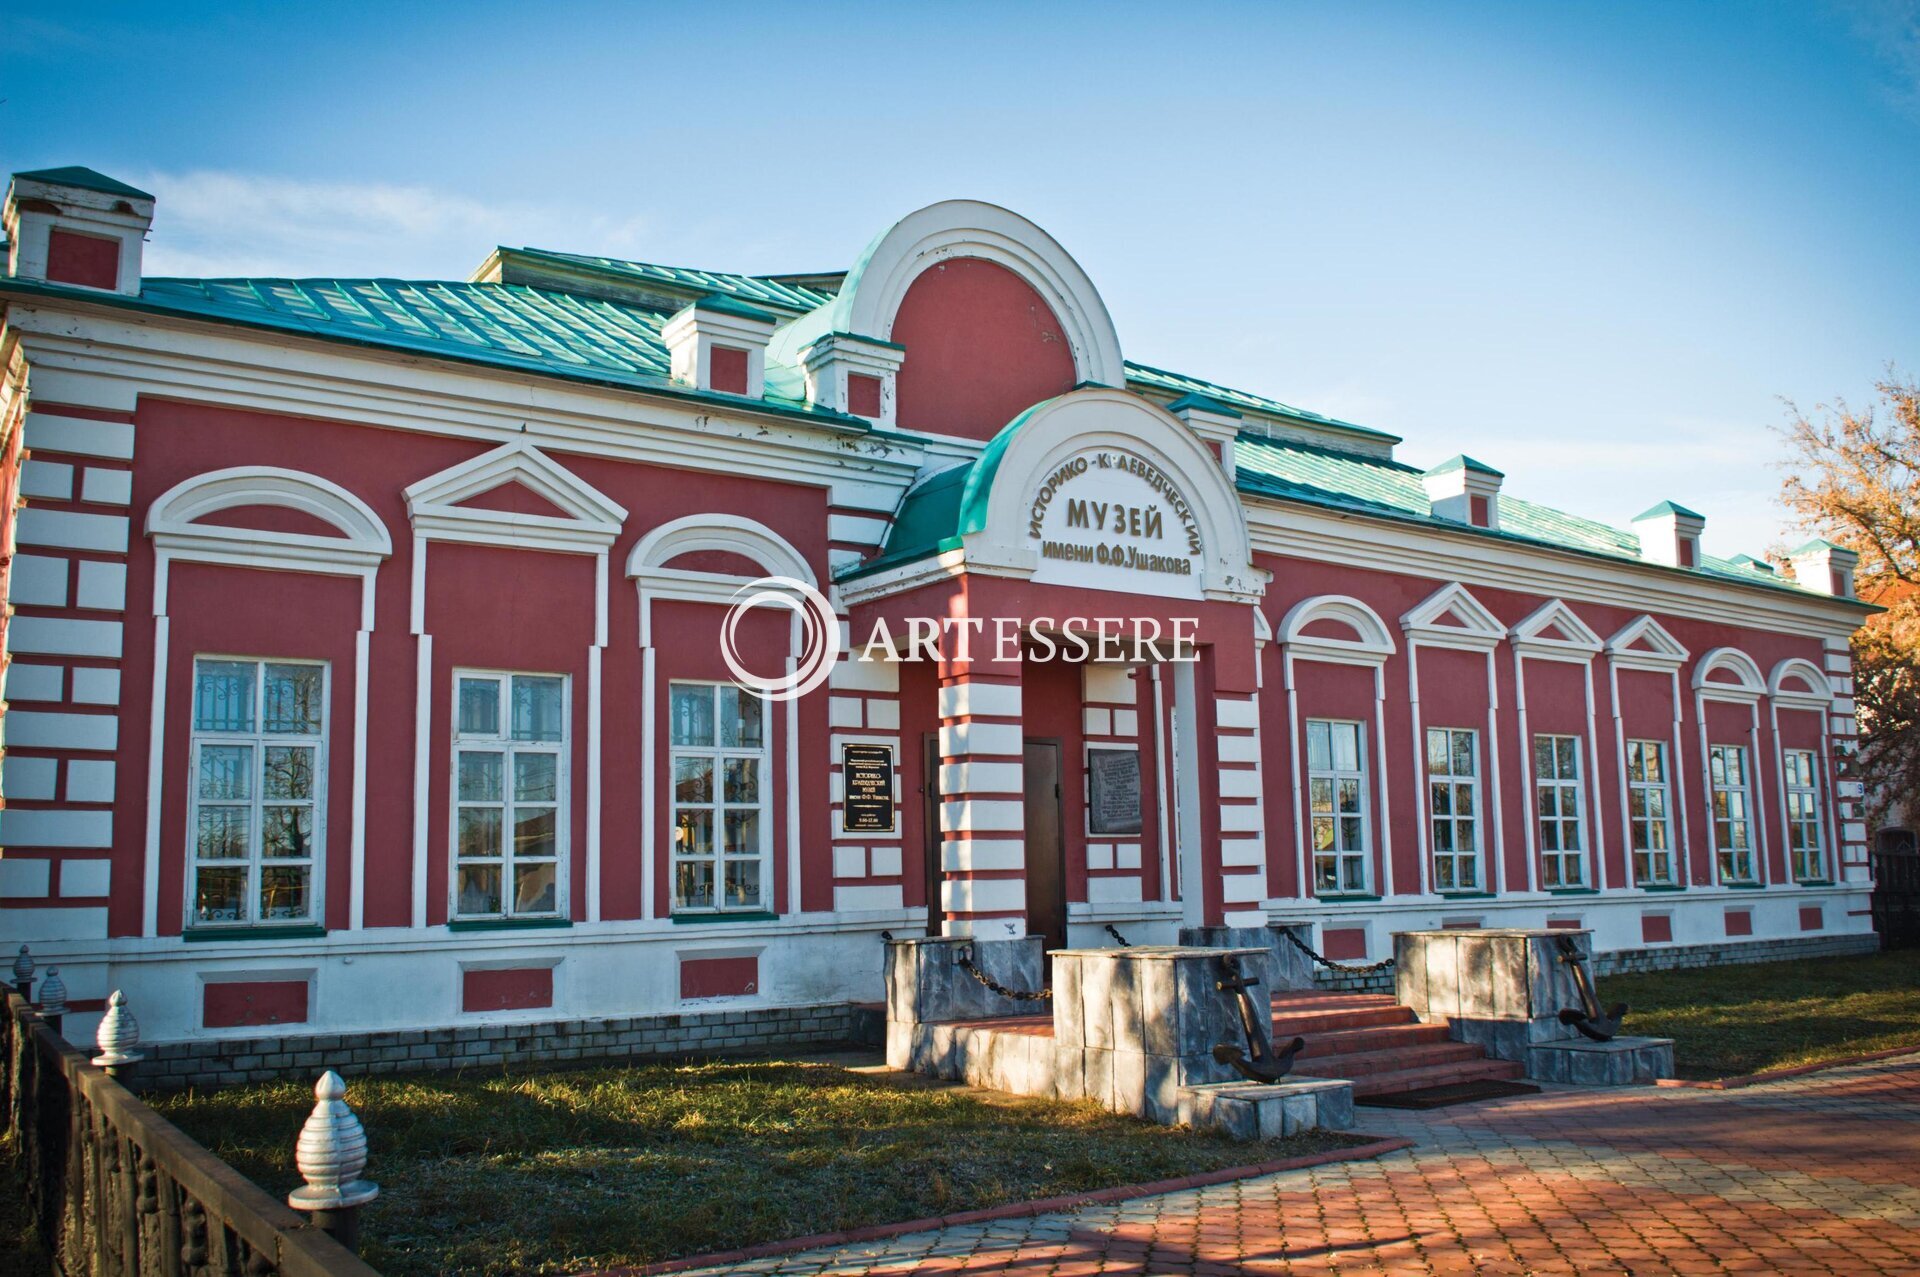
point(1378, 1045)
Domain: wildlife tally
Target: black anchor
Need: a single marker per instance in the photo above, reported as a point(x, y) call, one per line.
point(1588, 1019)
point(1256, 1062)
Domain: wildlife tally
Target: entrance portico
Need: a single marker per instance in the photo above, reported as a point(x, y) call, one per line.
point(1080, 604)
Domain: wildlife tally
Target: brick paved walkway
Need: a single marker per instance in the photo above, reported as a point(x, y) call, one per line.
point(1819, 1174)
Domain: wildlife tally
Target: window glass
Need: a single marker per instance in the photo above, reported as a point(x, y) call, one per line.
point(1650, 827)
point(1453, 808)
point(509, 824)
point(1804, 841)
point(1559, 812)
point(1337, 817)
point(258, 741)
point(1732, 814)
point(721, 837)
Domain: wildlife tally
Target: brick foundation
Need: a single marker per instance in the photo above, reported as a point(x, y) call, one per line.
point(173, 1066)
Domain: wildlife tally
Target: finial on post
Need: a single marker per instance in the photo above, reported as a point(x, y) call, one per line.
point(23, 973)
point(53, 998)
point(118, 1037)
point(331, 1153)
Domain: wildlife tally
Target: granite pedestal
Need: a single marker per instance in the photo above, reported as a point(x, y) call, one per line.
point(1624, 1061)
point(1503, 989)
point(927, 985)
point(1259, 1111)
point(1285, 968)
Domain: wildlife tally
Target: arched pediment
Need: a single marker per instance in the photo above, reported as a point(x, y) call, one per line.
point(179, 519)
point(1336, 627)
point(1103, 489)
point(1729, 670)
point(954, 229)
point(725, 533)
point(1799, 682)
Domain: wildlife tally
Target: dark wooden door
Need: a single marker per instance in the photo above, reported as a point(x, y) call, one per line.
point(930, 827)
point(1046, 849)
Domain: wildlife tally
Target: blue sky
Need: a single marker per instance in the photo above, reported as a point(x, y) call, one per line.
point(1593, 245)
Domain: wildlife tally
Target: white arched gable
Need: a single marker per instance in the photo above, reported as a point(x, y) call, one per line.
point(1813, 691)
point(1747, 676)
point(874, 288)
point(1473, 627)
point(723, 532)
point(997, 509)
point(174, 520)
point(1371, 644)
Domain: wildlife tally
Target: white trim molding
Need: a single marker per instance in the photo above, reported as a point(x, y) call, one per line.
point(174, 524)
point(1477, 630)
point(1662, 651)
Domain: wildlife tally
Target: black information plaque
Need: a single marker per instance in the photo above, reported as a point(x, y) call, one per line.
point(1113, 791)
point(866, 775)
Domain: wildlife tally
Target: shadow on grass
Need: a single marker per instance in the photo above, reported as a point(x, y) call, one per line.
point(559, 1171)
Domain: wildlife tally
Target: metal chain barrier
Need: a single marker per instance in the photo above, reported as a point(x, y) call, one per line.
point(1329, 963)
point(1115, 933)
point(1018, 995)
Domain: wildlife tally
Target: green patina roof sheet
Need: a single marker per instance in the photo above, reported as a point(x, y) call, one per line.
point(85, 179)
point(749, 288)
point(1180, 384)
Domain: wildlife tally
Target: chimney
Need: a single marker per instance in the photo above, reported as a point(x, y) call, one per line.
point(76, 227)
point(1465, 491)
point(718, 343)
point(1670, 534)
point(1825, 568)
point(1216, 424)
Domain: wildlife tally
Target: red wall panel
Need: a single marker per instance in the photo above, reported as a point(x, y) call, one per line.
point(231, 1005)
point(89, 260)
point(719, 977)
point(512, 989)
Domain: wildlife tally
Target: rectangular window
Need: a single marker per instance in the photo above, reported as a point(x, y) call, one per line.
point(1649, 814)
point(1803, 816)
point(1453, 792)
point(1556, 791)
point(1732, 812)
point(720, 816)
point(1337, 804)
point(259, 756)
point(510, 795)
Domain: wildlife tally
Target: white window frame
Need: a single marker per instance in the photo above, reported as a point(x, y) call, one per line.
point(259, 740)
point(718, 806)
point(1451, 820)
point(1641, 822)
point(502, 742)
point(1333, 775)
point(1564, 787)
point(1725, 852)
point(1804, 792)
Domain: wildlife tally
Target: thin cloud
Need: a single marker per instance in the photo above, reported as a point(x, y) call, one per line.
point(212, 223)
point(1892, 29)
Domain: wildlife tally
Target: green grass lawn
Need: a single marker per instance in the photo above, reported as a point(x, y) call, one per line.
point(549, 1172)
point(1743, 1019)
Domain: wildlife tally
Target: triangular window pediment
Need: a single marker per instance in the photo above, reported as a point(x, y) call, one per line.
point(515, 495)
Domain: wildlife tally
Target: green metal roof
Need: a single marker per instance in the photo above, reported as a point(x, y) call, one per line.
point(1666, 508)
point(1202, 403)
point(1391, 489)
point(500, 325)
point(1464, 462)
point(1181, 384)
point(85, 178)
point(753, 289)
point(721, 304)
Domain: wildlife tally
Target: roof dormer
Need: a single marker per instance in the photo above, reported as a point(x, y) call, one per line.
point(720, 343)
point(76, 227)
point(1465, 491)
point(1670, 534)
point(1825, 568)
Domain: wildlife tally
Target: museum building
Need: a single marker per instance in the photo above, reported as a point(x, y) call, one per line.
point(371, 648)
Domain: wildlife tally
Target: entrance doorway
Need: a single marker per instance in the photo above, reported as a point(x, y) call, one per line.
point(1045, 845)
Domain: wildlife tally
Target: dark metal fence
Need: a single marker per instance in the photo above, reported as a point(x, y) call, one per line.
point(1896, 898)
point(116, 1190)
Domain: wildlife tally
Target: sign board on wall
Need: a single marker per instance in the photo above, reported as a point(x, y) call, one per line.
point(866, 777)
point(1113, 791)
point(1106, 519)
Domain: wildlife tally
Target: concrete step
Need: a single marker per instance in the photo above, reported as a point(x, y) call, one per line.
point(1381, 1037)
point(1305, 1022)
point(1396, 1081)
point(1398, 1060)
